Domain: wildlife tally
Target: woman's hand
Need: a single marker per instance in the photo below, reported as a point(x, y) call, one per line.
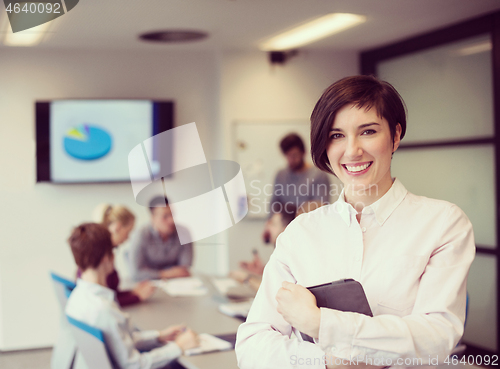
point(298, 307)
point(187, 339)
point(171, 333)
point(144, 290)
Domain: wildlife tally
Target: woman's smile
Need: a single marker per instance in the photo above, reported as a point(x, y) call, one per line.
point(357, 168)
point(360, 150)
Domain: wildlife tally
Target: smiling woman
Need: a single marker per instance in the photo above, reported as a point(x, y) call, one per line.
point(410, 253)
point(361, 92)
point(360, 153)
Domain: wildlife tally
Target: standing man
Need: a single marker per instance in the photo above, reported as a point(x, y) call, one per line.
point(156, 249)
point(298, 183)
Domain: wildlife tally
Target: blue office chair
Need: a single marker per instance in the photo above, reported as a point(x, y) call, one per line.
point(64, 350)
point(91, 346)
point(63, 288)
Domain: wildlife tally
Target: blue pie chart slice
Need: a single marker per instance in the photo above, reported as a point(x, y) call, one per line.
point(87, 142)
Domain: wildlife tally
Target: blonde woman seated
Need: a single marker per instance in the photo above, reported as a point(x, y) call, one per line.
point(120, 221)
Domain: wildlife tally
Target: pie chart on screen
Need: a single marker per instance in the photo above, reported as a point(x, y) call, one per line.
point(87, 142)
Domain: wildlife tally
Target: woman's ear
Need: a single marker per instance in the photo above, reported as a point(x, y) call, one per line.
point(397, 138)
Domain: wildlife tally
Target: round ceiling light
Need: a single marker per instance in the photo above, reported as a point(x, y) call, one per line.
point(173, 36)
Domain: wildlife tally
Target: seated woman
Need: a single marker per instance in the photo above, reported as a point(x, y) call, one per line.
point(120, 221)
point(93, 303)
point(411, 254)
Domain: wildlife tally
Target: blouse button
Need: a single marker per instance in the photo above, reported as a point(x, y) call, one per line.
point(363, 229)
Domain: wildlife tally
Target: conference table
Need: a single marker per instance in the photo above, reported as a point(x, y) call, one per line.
point(199, 313)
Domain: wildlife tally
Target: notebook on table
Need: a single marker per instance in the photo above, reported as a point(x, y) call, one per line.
point(343, 295)
point(237, 310)
point(211, 343)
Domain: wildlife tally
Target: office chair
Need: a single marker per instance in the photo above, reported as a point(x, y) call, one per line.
point(63, 288)
point(64, 350)
point(91, 346)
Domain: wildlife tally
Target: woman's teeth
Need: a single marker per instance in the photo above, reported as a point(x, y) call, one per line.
point(357, 168)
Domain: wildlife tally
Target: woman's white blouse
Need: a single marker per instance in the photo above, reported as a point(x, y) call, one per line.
point(411, 254)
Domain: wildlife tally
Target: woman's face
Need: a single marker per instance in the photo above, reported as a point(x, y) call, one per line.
point(120, 232)
point(360, 148)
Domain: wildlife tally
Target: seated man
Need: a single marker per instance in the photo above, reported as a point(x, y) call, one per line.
point(156, 251)
point(93, 303)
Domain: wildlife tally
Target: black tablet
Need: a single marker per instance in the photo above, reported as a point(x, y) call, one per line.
point(343, 295)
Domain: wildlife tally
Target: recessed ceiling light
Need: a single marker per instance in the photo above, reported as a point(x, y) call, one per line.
point(173, 36)
point(30, 37)
point(477, 48)
point(312, 31)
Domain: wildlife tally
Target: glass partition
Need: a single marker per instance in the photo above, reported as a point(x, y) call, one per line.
point(464, 176)
point(447, 80)
point(447, 90)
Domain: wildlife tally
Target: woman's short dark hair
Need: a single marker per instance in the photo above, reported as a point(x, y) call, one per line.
point(89, 243)
point(290, 141)
point(362, 92)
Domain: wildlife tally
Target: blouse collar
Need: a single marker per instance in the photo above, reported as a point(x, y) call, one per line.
point(382, 208)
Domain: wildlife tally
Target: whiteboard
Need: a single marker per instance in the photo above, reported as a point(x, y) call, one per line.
point(255, 146)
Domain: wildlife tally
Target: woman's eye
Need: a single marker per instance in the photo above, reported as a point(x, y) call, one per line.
point(369, 132)
point(335, 135)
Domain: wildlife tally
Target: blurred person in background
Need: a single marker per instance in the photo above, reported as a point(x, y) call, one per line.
point(120, 221)
point(298, 183)
point(94, 304)
point(156, 251)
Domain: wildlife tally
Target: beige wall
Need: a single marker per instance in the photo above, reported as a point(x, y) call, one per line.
point(252, 89)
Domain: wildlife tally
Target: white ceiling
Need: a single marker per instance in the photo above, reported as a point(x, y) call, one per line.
point(240, 24)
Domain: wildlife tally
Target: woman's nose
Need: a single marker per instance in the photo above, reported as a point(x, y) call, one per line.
point(353, 149)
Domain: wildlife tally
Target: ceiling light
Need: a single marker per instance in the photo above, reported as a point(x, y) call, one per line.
point(173, 36)
point(30, 37)
point(477, 48)
point(312, 31)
